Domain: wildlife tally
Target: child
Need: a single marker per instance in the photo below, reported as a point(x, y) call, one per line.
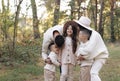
point(49, 69)
point(68, 58)
point(85, 64)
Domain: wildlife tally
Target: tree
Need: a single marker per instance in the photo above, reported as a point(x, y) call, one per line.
point(56, 12)
point(72, 5)
point(15, 24)
point(96, 14)
point(112, 2)
point(35, 20)
point(100, 30)
point(79, 4)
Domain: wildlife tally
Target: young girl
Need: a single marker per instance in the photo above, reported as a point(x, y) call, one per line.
point(68, 58)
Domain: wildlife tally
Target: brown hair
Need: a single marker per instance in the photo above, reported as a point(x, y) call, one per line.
point(74, 35)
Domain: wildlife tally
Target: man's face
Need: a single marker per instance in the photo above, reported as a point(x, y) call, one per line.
point(56, 34)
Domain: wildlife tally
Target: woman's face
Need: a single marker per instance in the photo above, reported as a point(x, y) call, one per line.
point(69, 31)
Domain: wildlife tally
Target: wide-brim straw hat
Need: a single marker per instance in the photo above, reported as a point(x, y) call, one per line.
point(85, 22)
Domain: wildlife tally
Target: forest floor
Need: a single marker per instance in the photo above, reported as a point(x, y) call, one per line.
point(109, 72)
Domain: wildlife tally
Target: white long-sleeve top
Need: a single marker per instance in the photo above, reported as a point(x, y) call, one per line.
point(67, 53)
point(54, 58)
point(87, 61)
point(96, 47)
point(48, 38)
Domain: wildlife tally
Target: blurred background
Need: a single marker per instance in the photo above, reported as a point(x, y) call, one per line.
point(23, 23)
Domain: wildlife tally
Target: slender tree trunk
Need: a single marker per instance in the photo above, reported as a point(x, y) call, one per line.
point(4, 28)
point(8, 4)
point(100, 30)
point(72, 5)
point(15, 25)
point(35, 20)
point(56, 12)
point(96, 15)
point(94, 12)
point(79, 4)
point(112, 2)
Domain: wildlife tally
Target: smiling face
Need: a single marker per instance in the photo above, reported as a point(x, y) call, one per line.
point(69, 31)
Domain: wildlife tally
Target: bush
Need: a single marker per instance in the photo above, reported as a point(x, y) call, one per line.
point(25, 53)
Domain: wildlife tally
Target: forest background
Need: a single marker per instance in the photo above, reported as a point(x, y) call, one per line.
point(23, 23)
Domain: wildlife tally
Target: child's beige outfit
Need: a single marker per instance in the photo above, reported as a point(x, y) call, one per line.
point(68, 61)
point(49, 69)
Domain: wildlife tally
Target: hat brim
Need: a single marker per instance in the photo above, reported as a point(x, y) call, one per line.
point(87, 27)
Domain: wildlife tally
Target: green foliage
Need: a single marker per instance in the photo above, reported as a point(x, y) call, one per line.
point(25, 53)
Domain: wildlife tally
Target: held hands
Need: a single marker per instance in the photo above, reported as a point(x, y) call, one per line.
point(80, 58)
point(48, 61)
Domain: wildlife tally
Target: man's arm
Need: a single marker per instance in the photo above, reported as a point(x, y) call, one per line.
point(46, 42)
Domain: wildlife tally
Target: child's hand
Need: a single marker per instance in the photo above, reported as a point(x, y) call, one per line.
point(48, 61)
point(81, 58)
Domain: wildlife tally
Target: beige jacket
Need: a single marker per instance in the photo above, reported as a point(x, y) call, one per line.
point(67, 54)
point(48, 38)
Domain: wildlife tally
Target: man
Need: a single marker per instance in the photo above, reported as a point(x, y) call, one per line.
point(49, 37)
point(95, 48)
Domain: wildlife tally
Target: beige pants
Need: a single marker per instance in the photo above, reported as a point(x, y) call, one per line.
point(49, 75)
point(85, 73)
point(67, 72)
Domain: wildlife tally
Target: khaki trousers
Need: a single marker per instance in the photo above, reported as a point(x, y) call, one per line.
point(85, 73)
point(49, 75)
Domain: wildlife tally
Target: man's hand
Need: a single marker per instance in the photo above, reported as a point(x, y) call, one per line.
point(48, 61)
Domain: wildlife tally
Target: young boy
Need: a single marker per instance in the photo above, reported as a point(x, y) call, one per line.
point(49, 69)
point(85, 63)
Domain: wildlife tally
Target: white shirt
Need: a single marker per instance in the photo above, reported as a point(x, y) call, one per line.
point(96, 47)
point(87, 61)
point(54, 59)
point(48, 38)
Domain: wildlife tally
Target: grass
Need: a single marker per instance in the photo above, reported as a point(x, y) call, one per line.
point(23, 73)
point(109, 72)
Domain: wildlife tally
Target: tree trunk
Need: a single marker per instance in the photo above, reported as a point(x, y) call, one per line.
point(35, 20)
point(79, 4)
point(56, 12)
point(96, 15)
point(100, 30)
point(72, 5)
point(112, 2)
point(4, 26)
point(15, 25)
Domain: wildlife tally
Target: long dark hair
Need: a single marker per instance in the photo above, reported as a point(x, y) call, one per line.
point(74, 35)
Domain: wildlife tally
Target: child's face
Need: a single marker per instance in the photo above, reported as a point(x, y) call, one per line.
point(55, 49)
point(82, 36)
point(69, 31)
